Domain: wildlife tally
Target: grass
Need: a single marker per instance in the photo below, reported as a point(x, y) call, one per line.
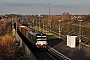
point(50, 35)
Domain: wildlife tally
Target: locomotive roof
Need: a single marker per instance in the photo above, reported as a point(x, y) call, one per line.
point(32, 32)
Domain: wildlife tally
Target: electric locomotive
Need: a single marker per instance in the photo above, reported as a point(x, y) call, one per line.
point(38, 39)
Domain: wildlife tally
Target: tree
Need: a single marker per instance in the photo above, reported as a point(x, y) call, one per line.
point(7, 46)
point(87, 18)
point(69, 26)
point(65, 16)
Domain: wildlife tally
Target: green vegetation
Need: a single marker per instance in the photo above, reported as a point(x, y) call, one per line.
point(50, 35)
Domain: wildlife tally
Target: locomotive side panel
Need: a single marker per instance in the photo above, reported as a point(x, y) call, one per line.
point(31, 38)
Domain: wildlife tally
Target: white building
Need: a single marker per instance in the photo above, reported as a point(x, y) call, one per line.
point(71, 41)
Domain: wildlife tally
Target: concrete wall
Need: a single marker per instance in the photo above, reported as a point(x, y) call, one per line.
point(28, 54)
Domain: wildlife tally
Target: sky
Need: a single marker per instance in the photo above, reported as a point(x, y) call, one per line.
point(34, 7)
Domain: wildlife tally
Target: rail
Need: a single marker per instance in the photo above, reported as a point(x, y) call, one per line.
point(57, 54)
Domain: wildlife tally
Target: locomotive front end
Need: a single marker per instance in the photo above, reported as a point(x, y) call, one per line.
point(41, 41)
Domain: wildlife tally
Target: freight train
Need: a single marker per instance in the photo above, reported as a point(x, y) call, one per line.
point(38, 39)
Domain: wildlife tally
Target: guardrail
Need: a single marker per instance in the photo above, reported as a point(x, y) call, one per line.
point(57, 54)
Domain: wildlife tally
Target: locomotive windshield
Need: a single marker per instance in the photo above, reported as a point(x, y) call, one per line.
point(41, 37)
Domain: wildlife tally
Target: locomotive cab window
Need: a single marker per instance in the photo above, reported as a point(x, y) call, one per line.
point(41, 38)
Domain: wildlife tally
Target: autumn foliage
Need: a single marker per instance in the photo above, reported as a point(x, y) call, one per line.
point(7, 46)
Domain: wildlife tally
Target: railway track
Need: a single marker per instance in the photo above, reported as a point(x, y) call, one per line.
point(57, 54)
point(48, 54)
point(45, 55)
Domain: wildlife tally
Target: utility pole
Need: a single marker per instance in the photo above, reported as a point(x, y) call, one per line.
point(4, 26)
point(43, 25)
point(13, 30)
point(39, 22)
point(12, 24)
point(36, 22)
point(33, 23)
point(49, 10)
point(50, 27)
point(49, 17)
point(17, 40)
point(59, 30)
point(80, 32)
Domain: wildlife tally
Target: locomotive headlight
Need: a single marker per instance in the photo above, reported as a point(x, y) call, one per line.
point(41, 44)
point(36, 43)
